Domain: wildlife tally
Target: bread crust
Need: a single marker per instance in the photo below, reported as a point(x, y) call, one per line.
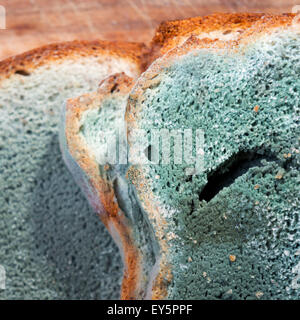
point(262, 26)
point(26, 62)
point(169, 34)
point(259, 25)
point(103, 199)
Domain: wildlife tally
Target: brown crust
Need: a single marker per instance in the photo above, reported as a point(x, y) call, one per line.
point(158, 290)
point(32, 59)
point(170, 33)
point(262, 26)
point(112, 216)
point(152, 76)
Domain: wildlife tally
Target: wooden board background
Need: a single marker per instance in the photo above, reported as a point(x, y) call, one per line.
point(31, 23)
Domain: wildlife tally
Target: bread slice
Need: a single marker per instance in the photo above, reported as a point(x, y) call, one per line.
point(88, 120)
point(228, 229)
point(52, 246)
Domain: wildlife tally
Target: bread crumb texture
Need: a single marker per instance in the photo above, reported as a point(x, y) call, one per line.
point(246, 204)
point(53, 244)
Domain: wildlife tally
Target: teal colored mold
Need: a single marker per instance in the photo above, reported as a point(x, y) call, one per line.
point(247, 104)
point(52, 244)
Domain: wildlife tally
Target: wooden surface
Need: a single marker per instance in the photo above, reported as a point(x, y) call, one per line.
point(31, 23)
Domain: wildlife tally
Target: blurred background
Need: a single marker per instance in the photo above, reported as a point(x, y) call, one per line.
point(31, 23)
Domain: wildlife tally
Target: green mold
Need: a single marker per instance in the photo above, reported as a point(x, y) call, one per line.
point(247, 104)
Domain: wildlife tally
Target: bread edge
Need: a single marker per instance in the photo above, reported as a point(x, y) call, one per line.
point(26, 62)
point(101, 194)
point(169, 33)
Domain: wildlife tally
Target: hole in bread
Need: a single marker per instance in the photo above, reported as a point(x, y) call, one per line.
point(236, 166)
point(114, 88)
point(22, 72)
